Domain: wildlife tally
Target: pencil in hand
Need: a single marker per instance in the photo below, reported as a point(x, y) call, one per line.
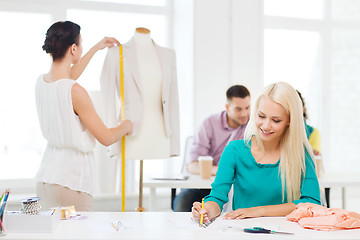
point(202, 214)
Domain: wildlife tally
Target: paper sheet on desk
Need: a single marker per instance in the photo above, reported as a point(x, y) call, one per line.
point(220, 224)
point(183, 223)
point(189, 224)
point(239, 225)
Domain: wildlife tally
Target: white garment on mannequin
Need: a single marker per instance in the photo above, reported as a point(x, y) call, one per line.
point(134, 99)
point(151, 141)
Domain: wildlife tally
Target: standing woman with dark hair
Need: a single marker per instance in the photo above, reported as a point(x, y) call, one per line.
point(69, 122)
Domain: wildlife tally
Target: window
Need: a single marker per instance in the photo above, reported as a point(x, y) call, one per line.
point(22, 61)
point(290, 56)
point(314, 45)
point(344, 90)
point(312, 9)
point(293, 56)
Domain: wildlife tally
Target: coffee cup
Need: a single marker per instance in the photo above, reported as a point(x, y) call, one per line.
point(205, 163)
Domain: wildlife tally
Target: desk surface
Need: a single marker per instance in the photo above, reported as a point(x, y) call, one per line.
point(169, 225)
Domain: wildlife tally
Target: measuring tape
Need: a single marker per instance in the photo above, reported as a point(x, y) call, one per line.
point(122, 117)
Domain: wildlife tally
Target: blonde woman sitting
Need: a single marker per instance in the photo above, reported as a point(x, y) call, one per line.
point(272, 168)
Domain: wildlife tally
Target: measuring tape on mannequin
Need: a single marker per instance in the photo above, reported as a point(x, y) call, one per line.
point(122, 117)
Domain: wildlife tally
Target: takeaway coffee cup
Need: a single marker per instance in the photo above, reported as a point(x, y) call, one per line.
point(205, 163)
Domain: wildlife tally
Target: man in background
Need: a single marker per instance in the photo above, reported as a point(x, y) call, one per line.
point(211, 138)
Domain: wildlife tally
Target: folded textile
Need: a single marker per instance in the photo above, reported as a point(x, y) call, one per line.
point(317, 217)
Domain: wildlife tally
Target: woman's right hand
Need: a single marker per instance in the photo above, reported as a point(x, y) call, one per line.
point(127, 126)
point(211, 210)
point(196, 212)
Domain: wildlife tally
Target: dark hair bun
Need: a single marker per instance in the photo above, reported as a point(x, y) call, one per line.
point(59, 37)
point(51, 44)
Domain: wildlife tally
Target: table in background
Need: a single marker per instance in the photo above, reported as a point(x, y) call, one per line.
point(327, 180)
point(170, 225)
point(193, 181)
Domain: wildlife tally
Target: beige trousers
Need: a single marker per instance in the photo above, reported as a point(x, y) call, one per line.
point(54, 195)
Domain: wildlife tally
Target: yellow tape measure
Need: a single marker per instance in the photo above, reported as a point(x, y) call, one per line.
point(122, 117)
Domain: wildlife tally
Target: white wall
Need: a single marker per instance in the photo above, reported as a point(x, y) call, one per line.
point(246, 44)
point(227, 38)
point(211, 56)
point(183, 44)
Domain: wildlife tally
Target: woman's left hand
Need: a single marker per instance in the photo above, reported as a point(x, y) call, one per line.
point(107, 42)
point(245, 213)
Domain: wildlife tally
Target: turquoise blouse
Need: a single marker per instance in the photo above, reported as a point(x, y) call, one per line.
point(256, 184)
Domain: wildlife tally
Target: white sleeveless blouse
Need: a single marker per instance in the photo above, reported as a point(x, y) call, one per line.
point(68, 159)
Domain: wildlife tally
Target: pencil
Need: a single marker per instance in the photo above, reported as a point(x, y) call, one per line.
point(7, 192)
point(53, 211)
point(202, 214)
point(2, 227)
point(116, 228)
point(2, 196)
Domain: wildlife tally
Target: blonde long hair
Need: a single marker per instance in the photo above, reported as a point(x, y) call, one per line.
point(293, 140)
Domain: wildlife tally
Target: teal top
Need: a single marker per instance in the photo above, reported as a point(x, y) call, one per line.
point(256, 184)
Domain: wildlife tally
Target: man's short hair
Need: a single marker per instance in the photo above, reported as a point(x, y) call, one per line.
point(237, 91)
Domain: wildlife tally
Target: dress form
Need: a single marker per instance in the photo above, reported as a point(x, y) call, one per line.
point(151, 141)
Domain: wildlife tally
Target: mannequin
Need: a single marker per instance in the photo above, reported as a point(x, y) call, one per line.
point(151, 98)
point(142, 30)
point(151, 141)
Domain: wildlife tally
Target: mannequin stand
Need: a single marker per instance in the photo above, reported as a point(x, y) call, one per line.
point(141, 180)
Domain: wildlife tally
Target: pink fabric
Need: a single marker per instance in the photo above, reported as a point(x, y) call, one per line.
point(313, 216)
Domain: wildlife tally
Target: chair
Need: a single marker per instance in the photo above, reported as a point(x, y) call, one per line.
point(228, 206)
point(324, 192)
point(188, 143)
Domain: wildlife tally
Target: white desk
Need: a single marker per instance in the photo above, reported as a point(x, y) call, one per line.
point(169, 225)
point(327, 180)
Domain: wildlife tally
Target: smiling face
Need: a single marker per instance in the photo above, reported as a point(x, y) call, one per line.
point(271, 120)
